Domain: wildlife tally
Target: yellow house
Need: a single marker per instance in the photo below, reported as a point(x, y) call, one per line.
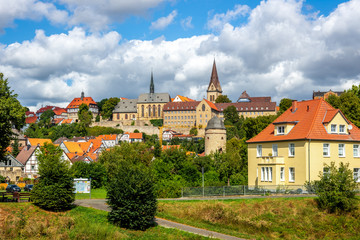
point(294, 148)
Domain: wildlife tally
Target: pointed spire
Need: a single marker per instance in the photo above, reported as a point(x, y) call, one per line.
point(82, 95)
point(152, 88)
point(214, 79)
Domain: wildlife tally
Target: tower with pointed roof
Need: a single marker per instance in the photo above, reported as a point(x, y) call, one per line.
point(152, 87)
point(214, 89)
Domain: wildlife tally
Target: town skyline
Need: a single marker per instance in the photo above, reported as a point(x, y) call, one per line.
point(51, 53)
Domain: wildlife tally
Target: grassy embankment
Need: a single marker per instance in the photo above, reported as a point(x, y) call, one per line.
point(286, 218)
point(26, 221)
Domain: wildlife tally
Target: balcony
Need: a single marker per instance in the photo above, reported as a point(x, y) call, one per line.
point(271, 160)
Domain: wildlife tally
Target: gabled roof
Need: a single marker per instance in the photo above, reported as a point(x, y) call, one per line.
point(74, 147)
point(76, 102)
point(38, 141)
point(183, 99)
point(107, 137)
point(154, 98)
point(135, 135)
point(29, 120)
point(181, 106)
point(67, 121)
point(308, 120)
point(248, 106)
point(60, 140)
point(59, 111)
point(214, 79)
point(26, 153)
point(244, 95)
point(212, 105)
point(57, 120)
point(14, 161)
point(126, 106)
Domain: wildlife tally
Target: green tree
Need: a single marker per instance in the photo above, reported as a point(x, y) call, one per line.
point(12, 114)
point(222, 99)
point(55, 189)
point(231, 115)
point(108, 108)
point(46, 118)
point(15, 147)
point(84, 115)
point(336, 189)
point(101, 104)
point(194, 131)
point(285, 103)
point(95, 170)
point(253, 126)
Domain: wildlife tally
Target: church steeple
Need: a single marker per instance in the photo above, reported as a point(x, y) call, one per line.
point(152, 88)
point(214, 89)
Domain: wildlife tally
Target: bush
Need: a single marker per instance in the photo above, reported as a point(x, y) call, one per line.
point(2, 179)
point(96, 171)
point(55, 188)
point(156, 122)
point(194, 131)
point(131, 196)
point(335, 189)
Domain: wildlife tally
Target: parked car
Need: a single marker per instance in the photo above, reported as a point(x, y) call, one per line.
point(13, 188)
point(28, 187)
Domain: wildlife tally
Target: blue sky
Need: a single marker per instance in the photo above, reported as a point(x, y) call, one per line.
point(52, 50)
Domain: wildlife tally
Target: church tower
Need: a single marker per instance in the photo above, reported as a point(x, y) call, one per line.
point(214, 90)
point(152, 87)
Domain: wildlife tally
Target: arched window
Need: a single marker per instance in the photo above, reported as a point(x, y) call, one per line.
point(133, 116)
point(203, 107)
point(118, 116)
point(126, 116)
point(154, 111)
point(159, 111)
point(149, 111)
point(142, 111)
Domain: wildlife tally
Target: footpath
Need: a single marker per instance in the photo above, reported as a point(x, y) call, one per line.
point(101, 205)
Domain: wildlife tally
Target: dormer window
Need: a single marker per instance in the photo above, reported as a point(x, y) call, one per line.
point(333, 128)
point(280, 130)
point(341, 128)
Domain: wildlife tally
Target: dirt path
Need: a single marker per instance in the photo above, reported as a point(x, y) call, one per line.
point(101, 205)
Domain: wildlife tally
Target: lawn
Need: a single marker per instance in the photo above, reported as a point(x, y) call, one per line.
point(285, 218)
point(26, 221)
point(99, 193)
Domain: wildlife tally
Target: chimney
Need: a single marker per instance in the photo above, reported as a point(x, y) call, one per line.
point(294, 106)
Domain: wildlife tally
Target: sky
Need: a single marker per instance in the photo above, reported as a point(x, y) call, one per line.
point(52, 50)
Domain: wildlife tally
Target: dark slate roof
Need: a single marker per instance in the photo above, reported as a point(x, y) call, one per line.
point(126, 106)
point(244, 95)
point(214, 78)
point(60, 140)
point(14, 161)
point(215, 123)
point(154, 98)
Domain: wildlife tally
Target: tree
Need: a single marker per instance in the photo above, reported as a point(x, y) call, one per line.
point(15, 147)
point(101, 104)
point(231, 115)
point(285, 103)
point(94, 170)
point(84, 115)
point(12, 114)
point(336, 189)
point(55, 189)
point(222, 99)
point(46, 118)
point(194, 131)
point(131, 186)
point(108, 107)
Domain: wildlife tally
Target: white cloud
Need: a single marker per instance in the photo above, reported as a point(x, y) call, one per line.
point(279, 52)
point(163, 22)
point(186, 23)
point(219, 20)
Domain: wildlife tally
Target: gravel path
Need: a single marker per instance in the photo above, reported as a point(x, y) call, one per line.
point(101, 205)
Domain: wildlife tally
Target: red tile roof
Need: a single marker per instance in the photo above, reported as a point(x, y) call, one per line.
point(67, 121)
point(181, 106)
point(57, 120)
point(29, 120)
point(59, 111)
point(135, 135)
point(248, 106)
point(26, 153)
point(309, 119)
point(76, 102)
point(212, 105)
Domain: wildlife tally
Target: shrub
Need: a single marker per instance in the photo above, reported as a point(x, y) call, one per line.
point(96, 171)
point(55, 188)
point(194, 131)
point(156, 122)
point(2, 179)
point(131, 196)
point(335, 189)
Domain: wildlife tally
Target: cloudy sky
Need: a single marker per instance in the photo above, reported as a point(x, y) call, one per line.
point(51, 50)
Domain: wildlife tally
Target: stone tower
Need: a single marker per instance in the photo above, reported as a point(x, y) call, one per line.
point(214, 90)
point(215, 136)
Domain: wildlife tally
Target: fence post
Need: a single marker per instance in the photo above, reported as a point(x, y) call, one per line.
point(224, 191)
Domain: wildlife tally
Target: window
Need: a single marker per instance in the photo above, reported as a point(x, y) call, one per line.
point(291, 149)
point(282, 174)
point(356, 150)
point(291, 174)
point(280, 130)
point(203, 107)
point(357, 174)
point(326, 150)
point(259, 150)
point(275, 150)
point(266, 174)
point(341, 128)
point(333, 128)
point(341, 150)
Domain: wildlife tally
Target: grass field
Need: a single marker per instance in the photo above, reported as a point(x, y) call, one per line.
point(98, 193)
point(285, 218)
point(25, 221)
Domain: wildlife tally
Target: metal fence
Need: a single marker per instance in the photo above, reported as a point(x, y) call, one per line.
point(243, 190)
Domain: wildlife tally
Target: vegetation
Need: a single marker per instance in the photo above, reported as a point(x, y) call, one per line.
point(108, 108)
point(222, 99)
point(54, 190)
point(93, 170)
point(84, 116)
point(46, 118)
point(25, 221)
point(285, 218)
point(285, 103)
point(15, 147)
point(130, 186)
point(349, 104)
point(12, 114)
point(194, 131)
point(97, 193)
point(336, 189)
point(157, 122)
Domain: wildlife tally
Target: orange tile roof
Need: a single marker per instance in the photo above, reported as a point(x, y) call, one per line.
point(107, 137)
point(29, 120)
point(96, 144)
point(135, 135)
point(67, 121)
point(59, 111)
point(212, 105)
point(166, 147)
point(40, 141)
point(183, 99)
point(57, 120)
point(85, 146)
point(308, 120)
point(74, 147)
point(76, 102)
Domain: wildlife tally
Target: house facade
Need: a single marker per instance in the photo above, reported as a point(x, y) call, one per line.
point(294, 148)
point(11, 168)
point(73, 107)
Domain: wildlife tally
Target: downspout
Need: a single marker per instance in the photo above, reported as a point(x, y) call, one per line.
point(309, 159)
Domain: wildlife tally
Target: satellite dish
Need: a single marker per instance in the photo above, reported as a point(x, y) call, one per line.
point(349, 127)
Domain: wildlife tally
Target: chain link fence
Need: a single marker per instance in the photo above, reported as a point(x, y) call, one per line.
point(243, 190)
